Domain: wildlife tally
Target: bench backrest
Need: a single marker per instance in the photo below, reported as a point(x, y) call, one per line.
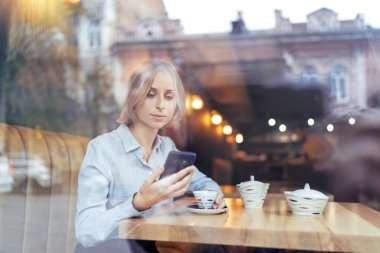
point(45, 216)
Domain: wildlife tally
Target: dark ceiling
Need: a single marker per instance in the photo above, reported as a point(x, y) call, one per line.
point(247, 94)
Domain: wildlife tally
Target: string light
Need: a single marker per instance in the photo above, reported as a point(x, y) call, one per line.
point(216, 118)
point(271, 122)
point(239, 138)
point(227, 130)
point(330, 127)
point(196, 102)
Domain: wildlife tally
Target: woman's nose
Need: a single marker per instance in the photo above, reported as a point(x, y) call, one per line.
point(160, 104)
point(160, 107)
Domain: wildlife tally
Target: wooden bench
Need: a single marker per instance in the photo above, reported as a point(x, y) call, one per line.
point(63, 154)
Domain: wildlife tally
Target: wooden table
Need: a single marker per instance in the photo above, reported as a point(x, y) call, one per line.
point(345, 227)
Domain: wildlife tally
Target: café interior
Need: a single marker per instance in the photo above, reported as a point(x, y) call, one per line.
point(291, 105)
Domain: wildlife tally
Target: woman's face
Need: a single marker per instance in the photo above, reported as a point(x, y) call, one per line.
point(158, 108)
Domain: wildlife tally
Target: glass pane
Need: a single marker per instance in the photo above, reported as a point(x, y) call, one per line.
point(342, 87)
point(299, 103)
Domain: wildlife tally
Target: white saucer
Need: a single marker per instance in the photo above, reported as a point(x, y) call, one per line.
point(195, 209)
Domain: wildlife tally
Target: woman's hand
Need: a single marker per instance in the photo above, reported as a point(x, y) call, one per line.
point(219, 202)
point(153, 191)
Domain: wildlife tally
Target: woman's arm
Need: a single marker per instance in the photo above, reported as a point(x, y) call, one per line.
point(95, 223)
point(200, 181)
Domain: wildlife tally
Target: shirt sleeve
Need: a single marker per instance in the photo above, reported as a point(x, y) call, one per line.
point(94, 222)
point(200, 181)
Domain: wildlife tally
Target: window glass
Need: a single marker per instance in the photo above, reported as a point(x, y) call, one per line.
point(94, 33)
point(338, 84)
point(309, 75)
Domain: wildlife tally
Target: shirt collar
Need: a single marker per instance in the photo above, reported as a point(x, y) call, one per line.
point(157, 143)
point(127, 138)
point(129, 141)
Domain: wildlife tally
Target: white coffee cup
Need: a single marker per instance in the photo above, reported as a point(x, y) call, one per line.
point(205, 199)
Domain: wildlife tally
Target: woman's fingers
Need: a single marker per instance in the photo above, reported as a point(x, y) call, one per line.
point(172, 179)
point(184, 172)
point(179, 186)
point(154, 190)
point(179, 192)
point(219, 201)
point(155, 174)
point(222, 205)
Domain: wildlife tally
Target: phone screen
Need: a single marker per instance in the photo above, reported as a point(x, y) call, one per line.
point(177, 160)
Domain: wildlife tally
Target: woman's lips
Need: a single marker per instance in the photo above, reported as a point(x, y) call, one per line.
point(158, 117)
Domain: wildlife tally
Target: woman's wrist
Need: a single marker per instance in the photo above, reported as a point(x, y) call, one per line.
point(138, 202)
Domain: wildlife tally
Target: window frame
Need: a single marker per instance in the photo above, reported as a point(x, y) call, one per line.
point(338, 84)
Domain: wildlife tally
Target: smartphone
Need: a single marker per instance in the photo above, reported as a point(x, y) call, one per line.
point(176, 161)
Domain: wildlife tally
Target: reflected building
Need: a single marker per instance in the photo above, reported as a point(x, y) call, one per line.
point(104, 23)
point(341, 54)
point(340, 57)
point(325, 67)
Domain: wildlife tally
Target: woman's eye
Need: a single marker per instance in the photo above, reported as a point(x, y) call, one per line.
point(151, 94)
point(169, 96)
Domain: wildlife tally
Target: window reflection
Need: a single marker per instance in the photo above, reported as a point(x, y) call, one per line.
point(309, 76)
point(339, 84)
point(64, 67)
point(94, 33)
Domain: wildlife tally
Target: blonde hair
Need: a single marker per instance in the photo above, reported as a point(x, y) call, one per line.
point(140, 83)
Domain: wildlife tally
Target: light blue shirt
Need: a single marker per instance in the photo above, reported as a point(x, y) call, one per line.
point(112, 172)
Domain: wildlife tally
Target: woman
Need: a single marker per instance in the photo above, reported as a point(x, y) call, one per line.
point(119, 176)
